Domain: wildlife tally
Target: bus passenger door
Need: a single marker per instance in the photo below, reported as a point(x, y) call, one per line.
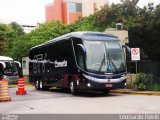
point(80, 54)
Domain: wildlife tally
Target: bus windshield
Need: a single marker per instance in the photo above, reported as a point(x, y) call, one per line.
point(10, 69)
point(104, 56)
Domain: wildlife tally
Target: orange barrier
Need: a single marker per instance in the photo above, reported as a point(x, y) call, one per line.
point(4, 92)
point(21, 90)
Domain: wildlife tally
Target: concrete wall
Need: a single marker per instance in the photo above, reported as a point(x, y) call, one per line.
point(122, 34)
point(65, 13)
point(130, 78)
point(88, 6)
point(25, 69)
point(58, 10)
point(74, 17)
point(49, 12)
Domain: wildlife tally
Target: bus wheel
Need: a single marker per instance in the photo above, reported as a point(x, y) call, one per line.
point(72, 88)
point(41, 85)
point(37, 85)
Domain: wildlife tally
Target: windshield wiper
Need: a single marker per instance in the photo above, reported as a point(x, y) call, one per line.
point(113, 64)
point(103, 60)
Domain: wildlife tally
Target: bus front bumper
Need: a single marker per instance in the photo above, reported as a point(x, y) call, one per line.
point(104, 86)
point(12, 79)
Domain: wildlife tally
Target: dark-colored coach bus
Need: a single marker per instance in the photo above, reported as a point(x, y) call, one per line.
point(79, 61)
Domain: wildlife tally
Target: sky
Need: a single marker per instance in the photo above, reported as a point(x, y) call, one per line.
point(23, 11)
point(31, 12)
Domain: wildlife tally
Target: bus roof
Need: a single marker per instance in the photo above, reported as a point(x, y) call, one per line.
point(5, 58)
point(83, 35)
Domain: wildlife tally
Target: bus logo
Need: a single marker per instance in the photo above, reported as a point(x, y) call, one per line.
point(60, 64)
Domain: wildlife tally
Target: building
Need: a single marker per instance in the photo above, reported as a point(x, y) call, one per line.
point(68, 11)
point(118, 31)
point(28, 28)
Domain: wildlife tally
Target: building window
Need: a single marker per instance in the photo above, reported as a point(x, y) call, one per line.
point(75, 7)
point(78, 7)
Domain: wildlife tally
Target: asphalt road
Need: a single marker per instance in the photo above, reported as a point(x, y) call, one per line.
point(60, 102)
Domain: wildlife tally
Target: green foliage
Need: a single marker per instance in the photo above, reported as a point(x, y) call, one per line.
point(17, 29)
point(142, 86)
point(146, 32)
point(17, 32)
point(20, 47)
point(146, 82)
point(142, 23)
point(47, 31)
point(5, 35)
point(84, 24)
point(155, 87)
point(140, 81)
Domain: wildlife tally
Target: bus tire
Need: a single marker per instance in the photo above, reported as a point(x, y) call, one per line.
point(41, 84)
point(72, 87)
point(37, 85)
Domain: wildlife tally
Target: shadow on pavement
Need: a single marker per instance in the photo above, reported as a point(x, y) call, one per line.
point(86, 93)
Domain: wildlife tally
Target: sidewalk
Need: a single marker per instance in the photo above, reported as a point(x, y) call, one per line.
point(133, 92)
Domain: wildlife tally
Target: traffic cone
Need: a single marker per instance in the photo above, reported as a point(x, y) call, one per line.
point(21, 90)
point(4, 92)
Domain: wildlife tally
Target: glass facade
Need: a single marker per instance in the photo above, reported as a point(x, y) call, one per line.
point(75, 7)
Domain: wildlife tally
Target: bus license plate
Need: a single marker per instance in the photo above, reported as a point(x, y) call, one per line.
point(108, 85)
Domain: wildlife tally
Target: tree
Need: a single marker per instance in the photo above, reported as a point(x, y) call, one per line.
point(108, 16)
point(20, 47)
point(84, 24)
point(146, 34)
point(142, 23)
point(5, 34)
point(17, 32)
point(43, 33)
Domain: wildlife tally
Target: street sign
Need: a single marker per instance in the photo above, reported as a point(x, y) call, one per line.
point(135, 54)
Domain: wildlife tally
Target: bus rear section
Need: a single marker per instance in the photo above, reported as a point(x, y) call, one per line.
point(79, 61)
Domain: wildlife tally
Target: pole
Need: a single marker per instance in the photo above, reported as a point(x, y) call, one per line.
point(136, 67)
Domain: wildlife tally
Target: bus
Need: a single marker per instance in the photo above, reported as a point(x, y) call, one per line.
point(91, 61)
point(8, 69)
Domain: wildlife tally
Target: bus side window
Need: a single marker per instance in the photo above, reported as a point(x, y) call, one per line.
point(78, 53)
point(80, 60)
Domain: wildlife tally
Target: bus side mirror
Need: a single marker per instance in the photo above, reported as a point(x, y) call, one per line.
point(17, 64)
point(127, 48)
point(3, 64)
point(81, 49)
point(128, 51)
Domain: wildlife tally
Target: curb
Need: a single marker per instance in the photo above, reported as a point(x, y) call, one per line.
point(136, 92)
